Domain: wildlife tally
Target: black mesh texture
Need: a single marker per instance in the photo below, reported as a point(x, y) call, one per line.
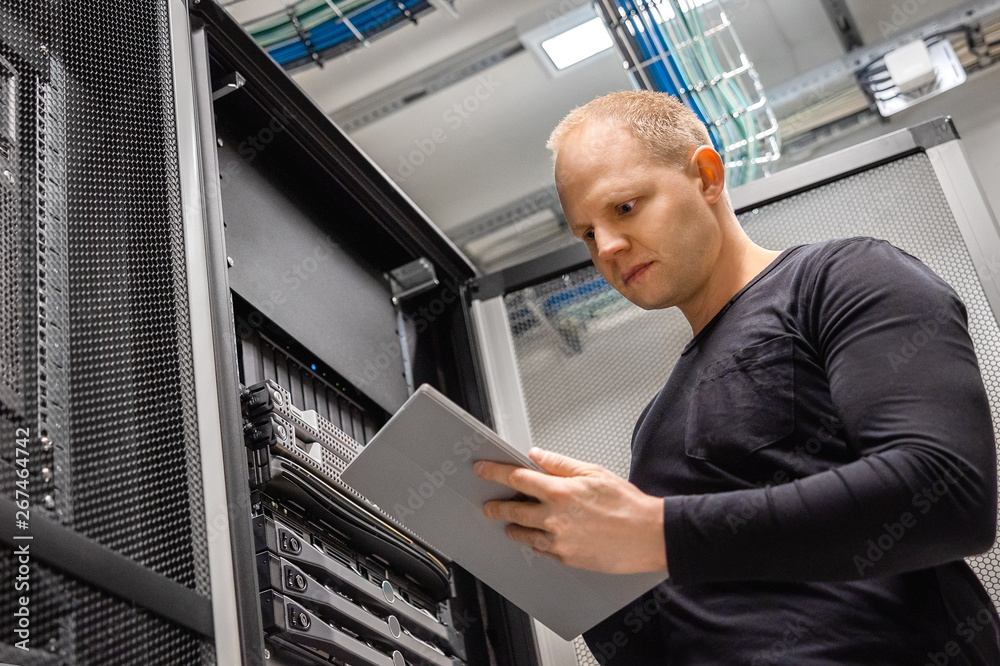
point(579, 344)
point(11, 242)
point(12, 277)
point(73, 623)
point(133, 423)
point(50, 344)
point(95, 348)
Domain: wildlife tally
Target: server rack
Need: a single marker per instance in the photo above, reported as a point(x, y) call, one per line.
point(107, 461)
point(179, 422)
point(569, 364)
point(332, 297)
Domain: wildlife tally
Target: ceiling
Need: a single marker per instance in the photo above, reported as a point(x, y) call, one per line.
point(473, 147)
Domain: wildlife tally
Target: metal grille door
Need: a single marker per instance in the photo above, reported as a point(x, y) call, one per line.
point(95, 346)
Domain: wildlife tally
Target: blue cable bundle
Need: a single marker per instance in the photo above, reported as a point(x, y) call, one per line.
point(676, 57)
point(334, 32)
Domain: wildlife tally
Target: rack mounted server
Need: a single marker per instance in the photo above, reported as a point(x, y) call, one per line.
point(337, 573)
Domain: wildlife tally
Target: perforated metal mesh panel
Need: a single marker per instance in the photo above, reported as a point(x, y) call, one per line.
point(95, 348)
point(73, 623)
point(12, 279)
point(590, 361)
point(130, 359)
point(11, 398)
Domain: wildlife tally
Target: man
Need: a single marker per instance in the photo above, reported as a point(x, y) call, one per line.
point(809, 484)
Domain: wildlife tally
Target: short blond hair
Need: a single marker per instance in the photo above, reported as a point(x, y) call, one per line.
point(669, 129)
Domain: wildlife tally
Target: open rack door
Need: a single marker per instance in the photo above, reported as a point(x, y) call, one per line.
point(112, 501)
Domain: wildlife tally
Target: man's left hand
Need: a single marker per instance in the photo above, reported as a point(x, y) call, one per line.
point(585, 516)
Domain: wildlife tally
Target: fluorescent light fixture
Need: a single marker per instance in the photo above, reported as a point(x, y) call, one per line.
point(577, 44)
point(561, 41)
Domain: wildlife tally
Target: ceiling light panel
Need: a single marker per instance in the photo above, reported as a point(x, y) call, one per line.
point(577, 44)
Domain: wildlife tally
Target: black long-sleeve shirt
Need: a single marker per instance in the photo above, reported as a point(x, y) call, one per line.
point(826, 454)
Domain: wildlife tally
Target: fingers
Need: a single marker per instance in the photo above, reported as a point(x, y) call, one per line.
point(528, 514)
point(539, 541)
point(558, 464)
point(527, 523)
point(521, 479)
point(529, 481)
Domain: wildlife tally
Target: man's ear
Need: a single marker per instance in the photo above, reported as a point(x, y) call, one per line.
point(711, 171)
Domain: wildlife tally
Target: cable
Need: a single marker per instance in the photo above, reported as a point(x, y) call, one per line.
point(327, 25)
point(677, 56)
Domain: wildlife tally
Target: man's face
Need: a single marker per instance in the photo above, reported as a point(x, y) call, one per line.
point(649, 226)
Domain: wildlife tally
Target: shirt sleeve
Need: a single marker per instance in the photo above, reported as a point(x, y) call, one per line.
point(905, 381)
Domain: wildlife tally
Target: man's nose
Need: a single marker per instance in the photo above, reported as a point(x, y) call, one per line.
point(609, 242)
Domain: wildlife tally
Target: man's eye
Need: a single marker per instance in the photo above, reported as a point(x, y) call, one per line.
point(626, 207)
point(588, 235)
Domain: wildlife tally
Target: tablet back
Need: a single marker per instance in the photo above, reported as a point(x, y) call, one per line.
point(418, 469)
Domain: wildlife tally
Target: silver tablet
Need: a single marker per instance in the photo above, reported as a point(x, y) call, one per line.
point(418, 469)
